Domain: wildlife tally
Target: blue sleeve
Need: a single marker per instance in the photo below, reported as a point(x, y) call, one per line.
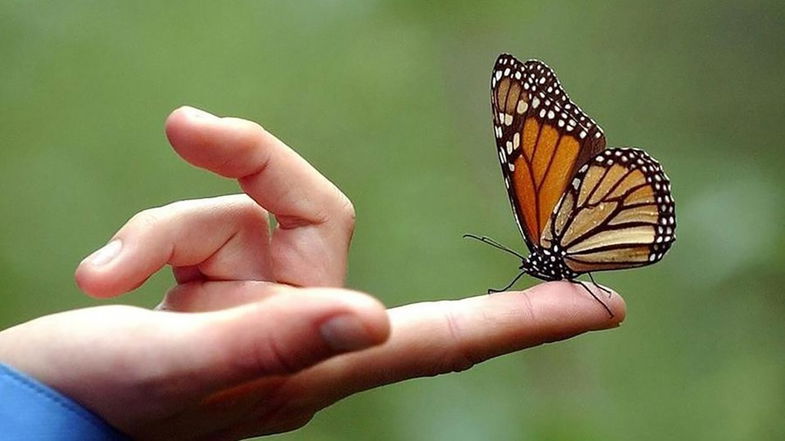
point(30, 410)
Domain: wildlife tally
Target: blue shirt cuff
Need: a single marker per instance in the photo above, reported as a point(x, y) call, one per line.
point(31, 410)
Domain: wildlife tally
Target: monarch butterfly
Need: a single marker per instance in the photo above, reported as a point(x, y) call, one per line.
point(580, 208)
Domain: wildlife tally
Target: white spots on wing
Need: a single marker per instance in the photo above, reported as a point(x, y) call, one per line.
point(535, 102)
point(516, 140)
point(507, 119)
point(511, 166)
point(522, 107)
point(509, 147)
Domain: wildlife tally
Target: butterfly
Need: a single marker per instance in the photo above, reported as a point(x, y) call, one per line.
point(579, 207)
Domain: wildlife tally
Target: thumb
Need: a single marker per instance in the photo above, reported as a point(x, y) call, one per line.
point(283, 334)
point(125, 363)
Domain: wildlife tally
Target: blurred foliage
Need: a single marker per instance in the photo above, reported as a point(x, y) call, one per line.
point(390, 100)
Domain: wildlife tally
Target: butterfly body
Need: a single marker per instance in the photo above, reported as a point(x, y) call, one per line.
point(547, 264)
point(580, 208)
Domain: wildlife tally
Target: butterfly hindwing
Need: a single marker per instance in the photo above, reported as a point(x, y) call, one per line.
point(617, 213)
point(542, 139)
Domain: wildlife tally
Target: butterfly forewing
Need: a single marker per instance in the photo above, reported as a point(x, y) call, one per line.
point(617, 213)
point(542, 139)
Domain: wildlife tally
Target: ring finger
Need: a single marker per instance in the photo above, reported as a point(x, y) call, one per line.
point(222, 238)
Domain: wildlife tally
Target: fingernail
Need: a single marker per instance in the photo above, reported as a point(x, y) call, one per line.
point(345, 333)
point(105, 254)
point(198, 113)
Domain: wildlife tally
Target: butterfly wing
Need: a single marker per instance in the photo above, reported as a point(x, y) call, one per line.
point(542, 139)
point(617, 213)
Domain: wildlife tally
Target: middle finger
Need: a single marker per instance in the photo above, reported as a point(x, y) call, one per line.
point(315, 220)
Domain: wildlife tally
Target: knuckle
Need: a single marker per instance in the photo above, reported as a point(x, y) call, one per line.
point(153, 218)
point(272, 358)
point(527, 307)
point(460, 357)
point(250, 214)
point(347, 212)
point(247, 134)
point(146, 219)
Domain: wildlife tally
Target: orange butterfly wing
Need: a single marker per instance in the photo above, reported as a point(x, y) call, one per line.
point(617, 213)
point(542, 139)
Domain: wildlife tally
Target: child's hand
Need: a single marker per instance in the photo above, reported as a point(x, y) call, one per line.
point(257, 335)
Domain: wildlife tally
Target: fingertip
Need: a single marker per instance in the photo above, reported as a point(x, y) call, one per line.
point(111, 270)
point(89, 275)
point(226, 146)
point(182, 128)
point(99, 286)
point(83, 279)
point(591, 307)
point(175, 122)
point(186, 114)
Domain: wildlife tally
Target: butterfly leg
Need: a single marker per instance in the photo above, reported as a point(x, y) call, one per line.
point(593, 295)
point(600, 287)
point(491, 290)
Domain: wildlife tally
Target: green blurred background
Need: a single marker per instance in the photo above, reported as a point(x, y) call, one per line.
point(390, 100)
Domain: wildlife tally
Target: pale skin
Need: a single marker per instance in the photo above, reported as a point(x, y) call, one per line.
point(259, 334)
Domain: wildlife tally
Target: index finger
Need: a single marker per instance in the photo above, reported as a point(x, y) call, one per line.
point(315, 219)
point(447, 336)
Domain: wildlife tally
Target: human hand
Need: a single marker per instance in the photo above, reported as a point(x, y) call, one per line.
point(245, 343)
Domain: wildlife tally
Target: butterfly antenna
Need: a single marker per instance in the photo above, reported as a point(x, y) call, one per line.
point(600, 287)
point(493, 243)
point(491, 290)
point(595, 297)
